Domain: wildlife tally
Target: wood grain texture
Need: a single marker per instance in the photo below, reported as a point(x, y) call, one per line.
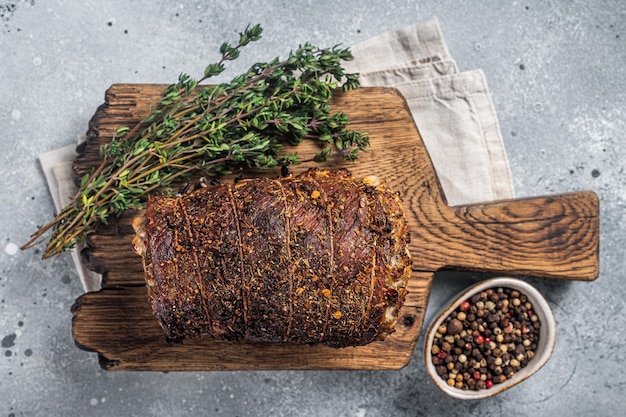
point(555, 236)
point(120, 327)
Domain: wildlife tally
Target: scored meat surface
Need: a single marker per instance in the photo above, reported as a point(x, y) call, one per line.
point(313, 258)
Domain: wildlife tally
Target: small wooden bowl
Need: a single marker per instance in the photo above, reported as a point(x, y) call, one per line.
point(545, 346)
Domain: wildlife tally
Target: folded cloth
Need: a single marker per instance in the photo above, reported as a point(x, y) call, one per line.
point(453, 112)
point(458, 124)
point(401, 48)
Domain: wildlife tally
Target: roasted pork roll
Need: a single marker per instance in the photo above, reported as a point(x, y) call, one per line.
point(313, 258)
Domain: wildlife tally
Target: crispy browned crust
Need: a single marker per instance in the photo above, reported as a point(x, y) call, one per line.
point(307, 259)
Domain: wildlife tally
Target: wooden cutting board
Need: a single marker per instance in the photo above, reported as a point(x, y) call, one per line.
point(554, 237)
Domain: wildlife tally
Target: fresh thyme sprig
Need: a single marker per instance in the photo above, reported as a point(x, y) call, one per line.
point(212, 131)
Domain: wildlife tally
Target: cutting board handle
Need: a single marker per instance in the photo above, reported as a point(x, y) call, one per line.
point(553, 237)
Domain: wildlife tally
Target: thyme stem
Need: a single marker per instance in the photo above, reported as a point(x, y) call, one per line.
point(214, 130)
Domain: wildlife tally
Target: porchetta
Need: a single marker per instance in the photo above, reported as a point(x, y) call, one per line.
point(313, 258)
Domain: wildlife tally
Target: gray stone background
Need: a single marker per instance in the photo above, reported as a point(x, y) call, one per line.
point(557, 72)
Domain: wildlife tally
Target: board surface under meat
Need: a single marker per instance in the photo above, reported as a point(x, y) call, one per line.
point(318, 257)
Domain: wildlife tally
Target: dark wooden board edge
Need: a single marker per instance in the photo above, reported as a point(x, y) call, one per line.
point(140, 344)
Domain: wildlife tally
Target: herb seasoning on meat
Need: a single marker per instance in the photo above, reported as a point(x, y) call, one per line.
point(314, 258)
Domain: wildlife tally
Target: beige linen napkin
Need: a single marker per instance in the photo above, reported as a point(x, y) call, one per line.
point(453, 112)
